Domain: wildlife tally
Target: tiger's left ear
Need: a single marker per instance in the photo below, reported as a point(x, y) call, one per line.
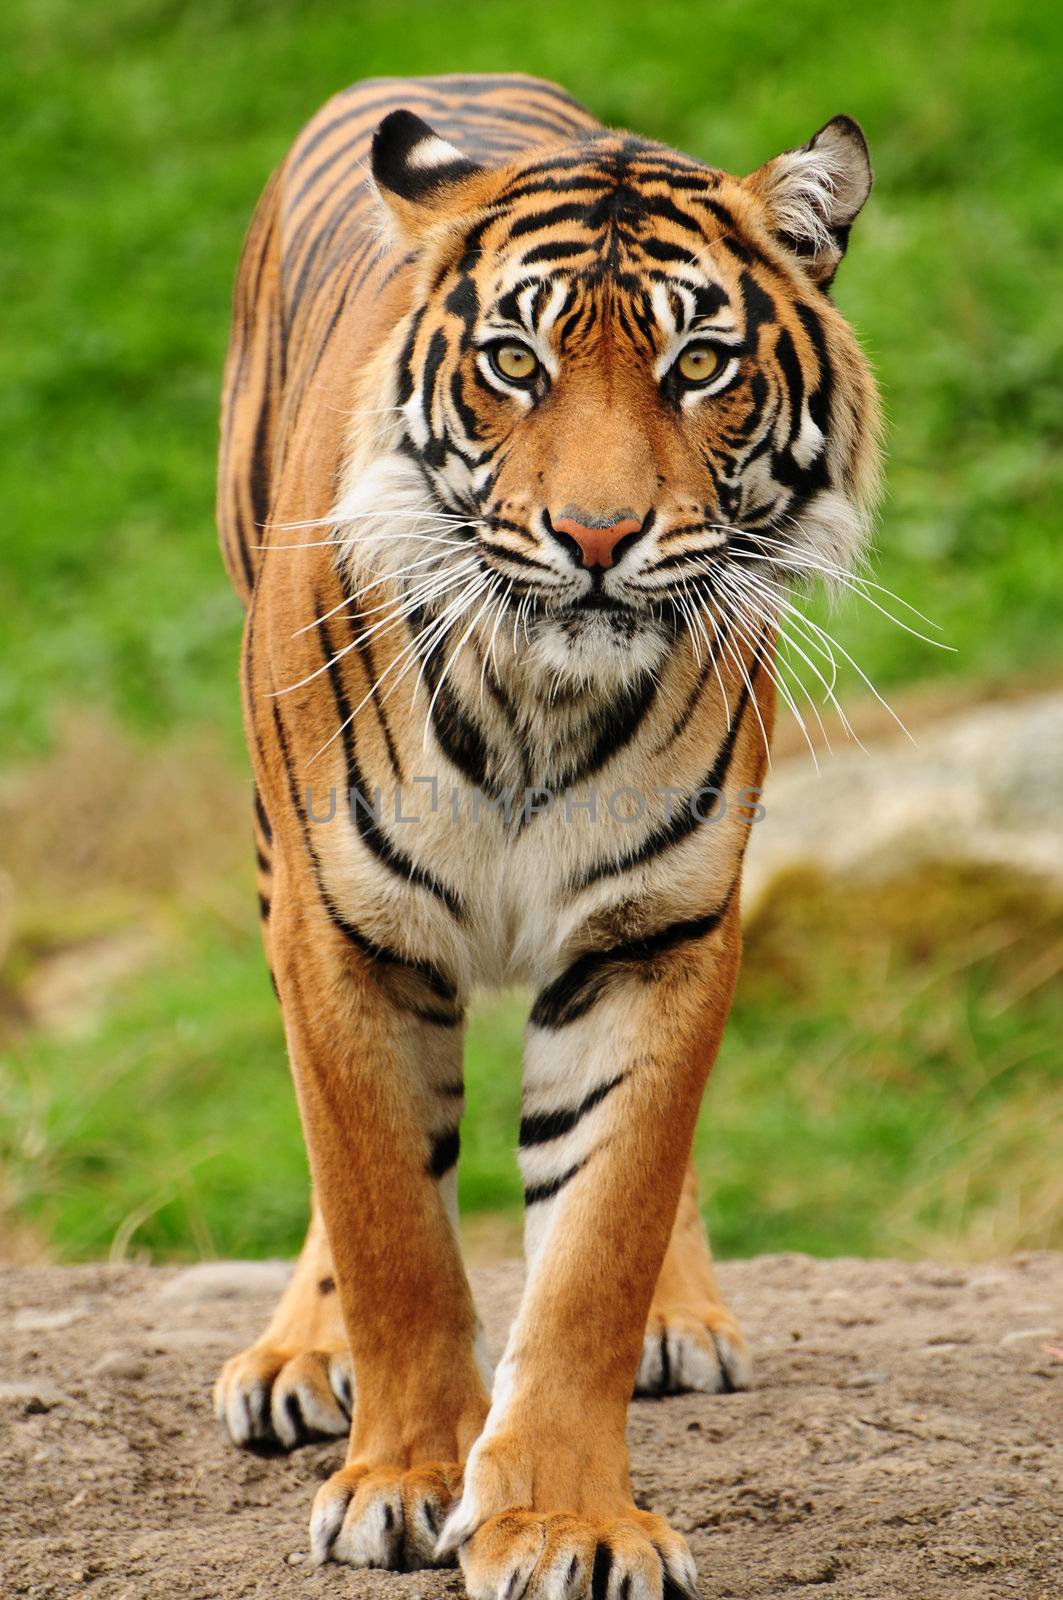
point(813, 195)
point(421, 177)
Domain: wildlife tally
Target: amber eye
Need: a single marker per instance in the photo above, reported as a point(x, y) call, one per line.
point(514, 362)
point(698, 363)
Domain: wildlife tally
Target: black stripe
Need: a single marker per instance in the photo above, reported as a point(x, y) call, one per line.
point(601, 1570)
point(545, 181)
point(237, 536)
point(246, 301)
point(369, 829)
point(472, 123)
point(437, 1019)
point(664, 250)
point(460, 737)
point(533, 221)
point(321, 239)
point(502, 552)
point(558, 250)
point(473, 84)
point(682, 722)
point(666, 1365)
point(614, 727)
point(366, 653)
point(462, 299)
point(794, 380)
point(543, 1126)
point(758, 394)
point(819, 398)
point(258, 476)
point(263, 819)
point(684, 819)
point(586, 980)
point(687, 176)
point(445, 1151)
point(437, 351)
point(359, 265)
point(759, 308)
point(430, 975)
point(538, 1192)
point(660, 206)
point(468, 418)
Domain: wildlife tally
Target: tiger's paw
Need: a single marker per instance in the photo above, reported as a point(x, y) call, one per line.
point(273, 1396)
point(385, 1516)
point(685, 1349)
point(636, 1556)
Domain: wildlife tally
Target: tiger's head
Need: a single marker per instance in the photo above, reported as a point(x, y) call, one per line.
point(622, 403)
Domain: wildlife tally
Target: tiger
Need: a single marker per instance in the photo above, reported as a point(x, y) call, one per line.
point(528, 427)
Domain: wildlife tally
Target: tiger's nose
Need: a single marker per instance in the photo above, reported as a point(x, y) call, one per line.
point(597, 537)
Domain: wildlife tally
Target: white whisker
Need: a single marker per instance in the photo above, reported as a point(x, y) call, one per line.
point(399, 612)
point(713, 654)
point(489, 653)
point(778, 602)
point(774, 673)
point(854, 585)
point(431, 627)
point(367, 611)
point(735, 653)
point(493, 585)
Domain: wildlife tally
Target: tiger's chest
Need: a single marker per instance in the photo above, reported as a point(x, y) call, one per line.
point(496, 858)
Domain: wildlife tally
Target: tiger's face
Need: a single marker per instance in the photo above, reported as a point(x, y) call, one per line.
point(625, 381)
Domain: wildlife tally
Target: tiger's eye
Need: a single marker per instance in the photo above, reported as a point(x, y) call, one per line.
point(515, 362)
point(698, 363)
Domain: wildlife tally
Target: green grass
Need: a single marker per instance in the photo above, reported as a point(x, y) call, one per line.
point(138, 134)
point(880, 1090)
point(876, 1110)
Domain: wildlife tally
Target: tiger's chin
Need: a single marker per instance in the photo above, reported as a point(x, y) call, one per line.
point(603, 648)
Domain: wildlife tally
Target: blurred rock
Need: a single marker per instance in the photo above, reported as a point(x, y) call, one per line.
point(32, 1320)
point(30, 1397)
point(227, 1280)
point(121, 1364)
point(985, 786)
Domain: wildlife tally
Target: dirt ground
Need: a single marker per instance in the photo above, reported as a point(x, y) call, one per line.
point(904, 1439)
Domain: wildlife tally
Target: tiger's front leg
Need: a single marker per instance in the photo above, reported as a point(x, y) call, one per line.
point(619, 1049)
point(376, 1059)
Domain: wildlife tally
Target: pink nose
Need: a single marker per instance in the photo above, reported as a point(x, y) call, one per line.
point(597, 544)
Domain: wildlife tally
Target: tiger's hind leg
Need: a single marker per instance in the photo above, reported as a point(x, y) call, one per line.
point(692, 1340)
point(296, 1382)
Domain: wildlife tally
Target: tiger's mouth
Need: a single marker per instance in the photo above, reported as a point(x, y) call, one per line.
point(607, 616)
point(597, 601)
point(603, 622)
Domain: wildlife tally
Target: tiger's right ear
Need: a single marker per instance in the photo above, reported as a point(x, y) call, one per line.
point(813, 195)
point(422, 178)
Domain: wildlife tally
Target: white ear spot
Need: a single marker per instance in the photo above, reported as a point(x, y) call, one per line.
point(433, 152)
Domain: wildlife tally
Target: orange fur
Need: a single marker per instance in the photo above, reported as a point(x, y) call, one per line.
point(368, 433)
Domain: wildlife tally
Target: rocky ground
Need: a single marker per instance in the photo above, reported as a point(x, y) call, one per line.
point(904, 1439)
